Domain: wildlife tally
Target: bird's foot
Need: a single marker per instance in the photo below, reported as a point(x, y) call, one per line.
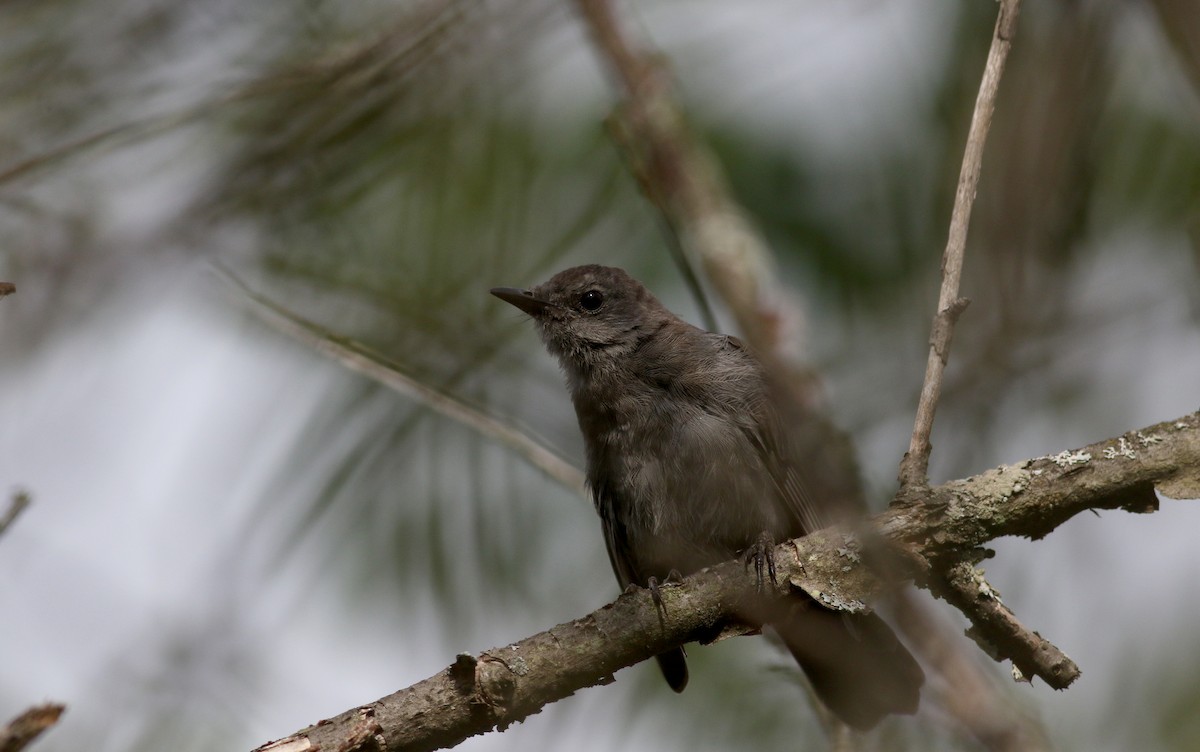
point(656, 593)
point(655, 587)
point(762, 554)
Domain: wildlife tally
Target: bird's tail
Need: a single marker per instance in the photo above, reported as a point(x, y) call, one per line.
point(674, 668)
point(857, 665)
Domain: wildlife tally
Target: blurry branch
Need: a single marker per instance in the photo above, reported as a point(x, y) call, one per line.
point(969, 694)
point(130, 132)
point(22, 730)
point(7, 288)
point(915, 465)
point(137, 130)
point(19, 501)
point(941, 532)
point(1180, 21)
point(419, 29)
point(374, 366)
point(684, 182)
point(14, 170)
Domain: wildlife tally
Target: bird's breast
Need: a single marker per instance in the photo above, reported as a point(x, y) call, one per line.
point(681, 480)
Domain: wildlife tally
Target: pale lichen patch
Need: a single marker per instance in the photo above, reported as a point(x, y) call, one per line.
point(1070, 459)
point(1003, 482)
point(1149, 439)
point(1122, 449)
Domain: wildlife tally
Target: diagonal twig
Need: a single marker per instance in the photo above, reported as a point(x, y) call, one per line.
point(376, 367)
point(914, 467)
point(998, 631)
point(19, 502)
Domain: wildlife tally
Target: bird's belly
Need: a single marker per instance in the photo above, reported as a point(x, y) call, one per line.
point(687, 509)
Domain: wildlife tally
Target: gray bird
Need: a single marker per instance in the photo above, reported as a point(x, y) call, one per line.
point(690, 464)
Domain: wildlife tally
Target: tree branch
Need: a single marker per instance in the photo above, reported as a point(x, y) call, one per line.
point(1032, 655)
point(936, 534)
point(915, 465)
point(684, 182)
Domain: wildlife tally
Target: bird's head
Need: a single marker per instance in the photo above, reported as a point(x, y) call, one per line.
point(589, 316)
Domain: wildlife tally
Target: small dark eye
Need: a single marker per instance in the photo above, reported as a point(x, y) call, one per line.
point(591, 300)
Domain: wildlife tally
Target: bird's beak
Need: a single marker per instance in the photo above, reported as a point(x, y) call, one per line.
point(522, 299)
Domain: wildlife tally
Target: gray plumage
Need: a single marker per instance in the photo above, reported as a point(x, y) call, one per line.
point(689, 465)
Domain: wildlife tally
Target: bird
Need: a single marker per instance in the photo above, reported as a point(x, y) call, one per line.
point(691, 462)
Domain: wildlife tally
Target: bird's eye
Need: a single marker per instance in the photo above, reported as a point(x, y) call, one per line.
point(591, 300)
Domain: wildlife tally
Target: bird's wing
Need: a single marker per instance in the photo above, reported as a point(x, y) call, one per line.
point(779, 454)
point(672, 663)
point(616, 539)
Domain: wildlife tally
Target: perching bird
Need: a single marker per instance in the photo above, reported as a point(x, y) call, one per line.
point(690, 464)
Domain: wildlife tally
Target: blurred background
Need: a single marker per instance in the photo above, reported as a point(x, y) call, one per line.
point(233, 536)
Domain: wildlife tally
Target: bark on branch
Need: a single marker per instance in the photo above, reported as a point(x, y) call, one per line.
point(938, 537)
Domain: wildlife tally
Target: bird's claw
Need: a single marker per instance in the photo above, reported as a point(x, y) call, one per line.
point(655, 587)
point(762, 554)
point(656, 593)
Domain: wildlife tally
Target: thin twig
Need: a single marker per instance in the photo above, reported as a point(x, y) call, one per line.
point(914, 468)
point(361, 359)
point(19, 502)
point(130, 132)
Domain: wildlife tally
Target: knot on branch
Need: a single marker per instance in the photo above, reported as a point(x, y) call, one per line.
point(943, 327)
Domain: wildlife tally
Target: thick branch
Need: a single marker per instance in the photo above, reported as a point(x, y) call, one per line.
point(915, 466)
point(936, 534)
